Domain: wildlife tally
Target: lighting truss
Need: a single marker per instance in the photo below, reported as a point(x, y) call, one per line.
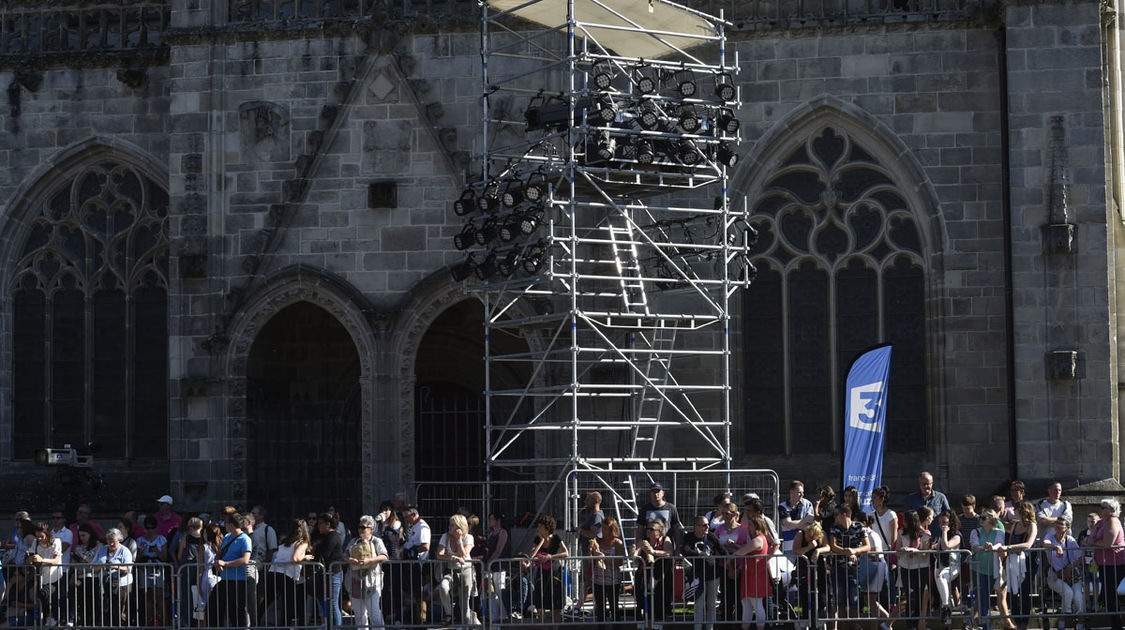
point(622, 295)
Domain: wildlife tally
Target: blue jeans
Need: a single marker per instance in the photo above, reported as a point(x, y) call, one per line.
point(517, 594)
point(982, 592)
point(335, 583)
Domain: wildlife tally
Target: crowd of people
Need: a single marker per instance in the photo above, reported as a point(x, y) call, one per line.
point(822, 559)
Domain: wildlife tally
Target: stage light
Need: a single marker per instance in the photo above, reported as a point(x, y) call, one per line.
point(685, 83)
point(724, 87)
point(513, 194)
point(507, 265)
point(530, 220)
point(645, 152)
point(603, 75)
point(487, 267)
point(536, 187)
point(489, 201)
point(726, 155)
point(486, 233)
point(552, 115)
point(607, 146)
point(465, 204)
point(727, 121)
point(533, 257)
point(689, 121)
point(649, 117)
point(510, 228)
point(466, 237)
point(461, 271)
point(687, 153)
point(607, 109)
point(646, 83)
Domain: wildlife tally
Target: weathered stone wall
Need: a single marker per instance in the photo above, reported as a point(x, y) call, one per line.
point(270, 144)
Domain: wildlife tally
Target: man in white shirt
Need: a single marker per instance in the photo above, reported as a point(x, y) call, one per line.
point(1052, 508)
point(62, 532)
point(417, 547)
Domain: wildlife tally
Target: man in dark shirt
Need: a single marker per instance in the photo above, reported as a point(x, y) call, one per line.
point(847, 540)
point(658, 508)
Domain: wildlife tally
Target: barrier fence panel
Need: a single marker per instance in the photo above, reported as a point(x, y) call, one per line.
point(517, 499)
point(88, 595)
point(886, 587)
point(411, 593)
point(693, 493)
point(261, 595)
point(722, 590)
point(1047, 586)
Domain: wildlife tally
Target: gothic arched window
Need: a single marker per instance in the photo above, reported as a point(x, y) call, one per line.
point(90, 318)
point(840, 270)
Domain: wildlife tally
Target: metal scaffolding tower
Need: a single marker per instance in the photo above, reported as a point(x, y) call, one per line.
point(599, 230)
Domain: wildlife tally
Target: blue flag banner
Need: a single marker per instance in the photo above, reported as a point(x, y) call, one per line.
point(865, 414)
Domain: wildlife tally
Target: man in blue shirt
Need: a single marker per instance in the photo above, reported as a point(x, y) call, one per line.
point(229, 605)
point(927, 496)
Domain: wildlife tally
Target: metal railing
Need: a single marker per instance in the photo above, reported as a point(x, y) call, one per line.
point(1033, 587)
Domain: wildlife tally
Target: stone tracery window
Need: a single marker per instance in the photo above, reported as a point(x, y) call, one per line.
point(90, 318)
point(840, 270)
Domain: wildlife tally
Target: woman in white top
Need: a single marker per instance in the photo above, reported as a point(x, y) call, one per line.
point(285, 596)
point(45, 555)
point(455, 547)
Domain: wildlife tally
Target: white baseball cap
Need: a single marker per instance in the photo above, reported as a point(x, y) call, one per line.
point(165, 499)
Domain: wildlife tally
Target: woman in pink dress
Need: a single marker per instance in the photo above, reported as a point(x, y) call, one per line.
point(755, 573)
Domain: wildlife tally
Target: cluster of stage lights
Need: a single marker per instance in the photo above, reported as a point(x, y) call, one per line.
point(501, 216)
point(678, 110)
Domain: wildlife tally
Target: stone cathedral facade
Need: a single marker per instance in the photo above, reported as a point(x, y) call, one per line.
point(225, 241)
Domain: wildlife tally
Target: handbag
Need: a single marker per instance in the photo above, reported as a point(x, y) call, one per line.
point(892, 558)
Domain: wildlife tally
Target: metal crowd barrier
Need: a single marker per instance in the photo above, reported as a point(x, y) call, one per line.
point(1040, 586)
point(88, 595)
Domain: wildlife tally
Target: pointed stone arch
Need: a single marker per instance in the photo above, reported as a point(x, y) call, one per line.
point(786, 158)
point(426, 302)
point(300, 283)
point(15, 224)
point(873, 134)
point(66, 235)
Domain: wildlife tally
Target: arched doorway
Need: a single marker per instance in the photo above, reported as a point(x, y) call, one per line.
point(449, 406)
point(303, 415)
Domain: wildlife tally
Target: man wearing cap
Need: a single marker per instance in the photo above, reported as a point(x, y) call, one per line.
point(658, 508)
point(167, 521)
